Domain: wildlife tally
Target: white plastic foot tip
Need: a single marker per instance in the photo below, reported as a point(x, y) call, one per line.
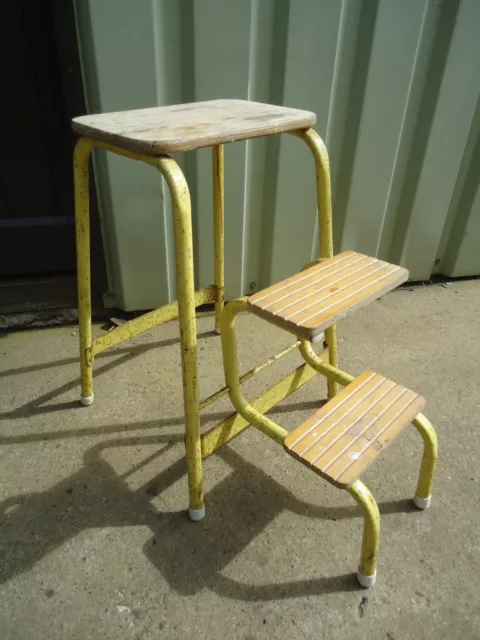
point(422, 503)
point(86, 400)
point(196, 514)
point(366, 581)
point(218, 331)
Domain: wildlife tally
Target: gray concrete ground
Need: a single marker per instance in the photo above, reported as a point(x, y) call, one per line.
point(94, 541)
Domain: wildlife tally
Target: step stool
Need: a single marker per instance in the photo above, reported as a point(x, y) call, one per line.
point(341, 440)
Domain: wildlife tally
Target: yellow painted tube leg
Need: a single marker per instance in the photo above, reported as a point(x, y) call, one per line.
point(317, 363)
point(423, 494)
point(232, 377)
point(182, 227)
point(324, 209)
point(218, 229)
point(331, 340)
point(367, 573)
point(82, 232)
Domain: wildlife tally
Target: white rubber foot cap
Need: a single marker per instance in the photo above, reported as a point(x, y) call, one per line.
point(86, 400)
point(422, 503)
point(196, 514)
point(366, 581)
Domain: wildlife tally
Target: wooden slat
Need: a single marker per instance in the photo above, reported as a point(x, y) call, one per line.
point(375, 278)
point(358, 454)
point(313, 300)
point(322, 290)
point(184, 127)
point(307, 276)
point(345, 436)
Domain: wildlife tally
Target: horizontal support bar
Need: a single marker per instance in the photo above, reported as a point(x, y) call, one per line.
point(147, 321)
point(249, 374)
point(224, 431)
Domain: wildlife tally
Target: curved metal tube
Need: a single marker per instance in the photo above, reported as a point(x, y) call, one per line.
point(81, 158)
point(324, 194)
point(182, 230)
point(430, 456)
point(371, 527)
point(331, 372)
point(218, 229)
point(232, 378)
point(182, 227)
point(324, 205)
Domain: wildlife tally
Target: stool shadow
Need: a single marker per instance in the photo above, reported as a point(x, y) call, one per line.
point(38, 405)
point(239, 508)
point(190, 556)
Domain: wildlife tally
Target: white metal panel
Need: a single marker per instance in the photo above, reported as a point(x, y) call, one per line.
point(396, 89)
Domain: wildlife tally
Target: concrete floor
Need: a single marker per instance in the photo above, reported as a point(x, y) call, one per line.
point(94, 541)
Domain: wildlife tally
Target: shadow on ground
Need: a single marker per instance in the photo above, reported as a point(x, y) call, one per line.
point(190, 556)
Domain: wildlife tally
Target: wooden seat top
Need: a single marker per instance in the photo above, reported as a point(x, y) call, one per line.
point(184, 127)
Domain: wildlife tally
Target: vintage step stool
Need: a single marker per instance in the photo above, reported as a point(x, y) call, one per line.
point(342, 439)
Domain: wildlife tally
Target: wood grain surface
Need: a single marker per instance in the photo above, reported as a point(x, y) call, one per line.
point(313, 300)
point(343, 438)
point(184, 127)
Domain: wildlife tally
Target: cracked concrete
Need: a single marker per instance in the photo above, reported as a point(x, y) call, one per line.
point(94, 541)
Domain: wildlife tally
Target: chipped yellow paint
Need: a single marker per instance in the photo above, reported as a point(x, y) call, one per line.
point(218, 229)
point(197, 446)
point(371, 527)
point(254, 413)
point(182, 232)
point(82, 231)
point(249, 374)
point(232, 378)
point(230, 427)
point(324, 211)
point(182, 227)
point(147, 321)
point(430, 455)
point(329, 371)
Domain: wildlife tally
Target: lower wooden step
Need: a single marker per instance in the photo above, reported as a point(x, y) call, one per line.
point(343, 438)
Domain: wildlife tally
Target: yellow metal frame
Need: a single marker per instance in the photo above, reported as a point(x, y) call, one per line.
point(184, 308)
point(218, 229)
point(324, 212)
point(254, 415)
point(201, 446)
point(188, 299)
point(429, 460)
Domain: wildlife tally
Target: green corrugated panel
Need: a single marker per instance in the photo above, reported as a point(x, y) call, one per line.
point(396, 90)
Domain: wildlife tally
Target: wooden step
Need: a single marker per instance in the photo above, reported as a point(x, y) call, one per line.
point(313, 300)
point(343, 438)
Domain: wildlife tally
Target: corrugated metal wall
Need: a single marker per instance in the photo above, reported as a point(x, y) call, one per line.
point(396, 88)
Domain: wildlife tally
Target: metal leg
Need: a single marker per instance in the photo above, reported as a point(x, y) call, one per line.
point(331, 340)
point(218, 229)
point(82, 231)
point(423, 495)
point(324, 212)
point(182, 226)
point(232, 377)
point(367, 574)
point(317, 363)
